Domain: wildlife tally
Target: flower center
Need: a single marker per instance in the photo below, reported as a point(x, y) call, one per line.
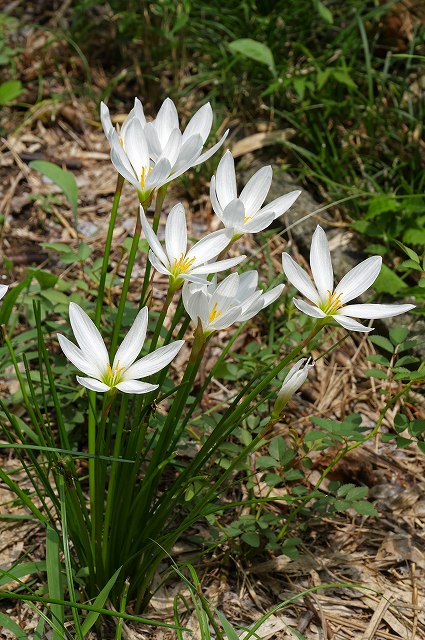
point(214, 313)
point(182, 264)
point(332, 304)
point(113, 375)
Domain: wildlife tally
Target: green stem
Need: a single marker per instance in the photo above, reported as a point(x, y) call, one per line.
point(107, 250)
point(126, 286)
point(161, 317)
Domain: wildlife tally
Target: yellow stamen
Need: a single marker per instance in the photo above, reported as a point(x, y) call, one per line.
point(145, 172)
point(214, 314)
point(246, 219)
point(182, 264)
point(332, 304)
point(113, 376)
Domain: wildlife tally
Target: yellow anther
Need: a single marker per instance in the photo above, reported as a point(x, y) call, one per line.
point(245, 220)
point(333, 303)
point(214, 314)
point(145, 172)
point(182, 264)
point(113, 375)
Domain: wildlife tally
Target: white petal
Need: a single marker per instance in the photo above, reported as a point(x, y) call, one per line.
point(171, 150)
point(233, 215)
point(212, 150)
point(138, 111)
point(225, 182)
point(121, 162)
point(221, 265)
point(136, 148)
point(166, 120)
point(250, 310)
point(321, 265)
point(153, 362)
point(200, 123)
point(259, 222)
point(159, 175)
point(93, 385)
point(356, 281)
point(371, 311)
point(256, 189)
point(176, 234)
point(135, 386)
point(76, 356)
point(133, 341)
point(155, 149)
point(308, 309)
point(248, 282)
point(153, 241)
point(105, 119)
point(272, 295)
point(189, 152)
point(209, 247)
point(225, 294)
point(214, 200)
point(3, 289)
point(225, 320)
point(157, 264)
point(293, 370)
point(195, 302)
point(88, 337)
point(282, 204)
point(350, 324)
point(298, 277)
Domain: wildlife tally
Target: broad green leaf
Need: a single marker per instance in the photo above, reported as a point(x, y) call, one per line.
point(388, 281)
point(376, 373)
point(398, 335)
point(412, 254)
point(9, 91)
point(255, 50)
point(365, 508)
point(64, 179)
point(45, 279)
point(99, 603)
point(252, 538)
point(12, 626)
point(382, 342)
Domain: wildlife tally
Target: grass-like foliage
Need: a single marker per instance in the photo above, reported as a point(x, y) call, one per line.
point(149, 462)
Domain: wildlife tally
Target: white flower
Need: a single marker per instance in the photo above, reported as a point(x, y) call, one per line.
point(151, 154)
point(91, 356)
point(244, 214)
point(330, 302)
point(233, 300)
point(176, 261)
point(295, 378)
point(3, 289)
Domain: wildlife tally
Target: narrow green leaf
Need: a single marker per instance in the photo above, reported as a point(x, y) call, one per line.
point(12, 626)
point(228, 628)
point(99, 602)
point(255, 51)
point(54, 578)
point(324, 12)
point(20, 571)
point(64, 180)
